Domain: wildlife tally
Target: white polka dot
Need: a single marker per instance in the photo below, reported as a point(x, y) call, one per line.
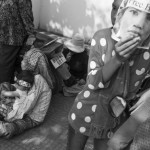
point(86, 94)
point(113, 53)
point(79, 105)
point(82, 129)
point(94, 108)
point(103, 42)
point(87, 119)
point(103, 57)
point(93, 42)
point(73, 116)
point(94, 72)
point(100, 85)
point(131, 63)
point(146, 55)
point(140, 72)
point(92, 64)
point(137, 83)
point(91, 86)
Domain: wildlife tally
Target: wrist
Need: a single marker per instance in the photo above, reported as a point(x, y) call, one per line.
point(120, 58)
point(117, 60)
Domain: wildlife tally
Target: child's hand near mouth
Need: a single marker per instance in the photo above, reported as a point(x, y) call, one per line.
point(127, 45)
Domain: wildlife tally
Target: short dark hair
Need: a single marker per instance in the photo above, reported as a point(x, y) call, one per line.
point(26, 75)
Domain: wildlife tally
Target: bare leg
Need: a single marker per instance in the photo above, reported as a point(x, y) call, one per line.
point(76, 140)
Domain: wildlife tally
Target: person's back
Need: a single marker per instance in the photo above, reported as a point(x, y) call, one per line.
point(36, 61)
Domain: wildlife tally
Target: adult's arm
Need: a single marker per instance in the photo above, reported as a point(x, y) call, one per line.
point(44, 69)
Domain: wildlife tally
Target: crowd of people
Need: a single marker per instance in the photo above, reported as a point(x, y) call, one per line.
point(107, 82)
point(24, 101)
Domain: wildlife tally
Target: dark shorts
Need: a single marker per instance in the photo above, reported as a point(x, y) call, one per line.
point(8, 57)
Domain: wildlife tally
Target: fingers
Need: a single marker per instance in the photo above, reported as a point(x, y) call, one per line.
point(122, 45)
point(134, 30)
point(124, 40)
point(126, 47)
point(128, 51)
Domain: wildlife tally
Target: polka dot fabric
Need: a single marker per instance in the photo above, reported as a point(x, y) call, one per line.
point(139, 68)
point(91, 105)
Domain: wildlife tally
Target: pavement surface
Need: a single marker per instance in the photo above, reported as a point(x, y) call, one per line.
point(51, 135)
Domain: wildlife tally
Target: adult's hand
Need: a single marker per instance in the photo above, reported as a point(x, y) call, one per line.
point(126, 46)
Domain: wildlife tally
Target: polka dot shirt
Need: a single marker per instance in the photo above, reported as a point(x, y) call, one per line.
point(86, 104)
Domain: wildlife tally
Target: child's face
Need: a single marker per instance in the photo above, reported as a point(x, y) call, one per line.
point(115, 7)
point(136, 22)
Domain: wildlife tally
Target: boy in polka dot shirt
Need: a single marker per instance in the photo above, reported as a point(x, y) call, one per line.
point(119, 61)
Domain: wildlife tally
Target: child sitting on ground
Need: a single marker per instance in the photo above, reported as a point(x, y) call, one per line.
point(15, 104)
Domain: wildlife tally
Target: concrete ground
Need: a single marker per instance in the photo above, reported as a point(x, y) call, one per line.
point(51, 135)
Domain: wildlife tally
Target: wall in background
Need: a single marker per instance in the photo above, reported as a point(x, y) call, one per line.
point(36, 12)
point(70, 16)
